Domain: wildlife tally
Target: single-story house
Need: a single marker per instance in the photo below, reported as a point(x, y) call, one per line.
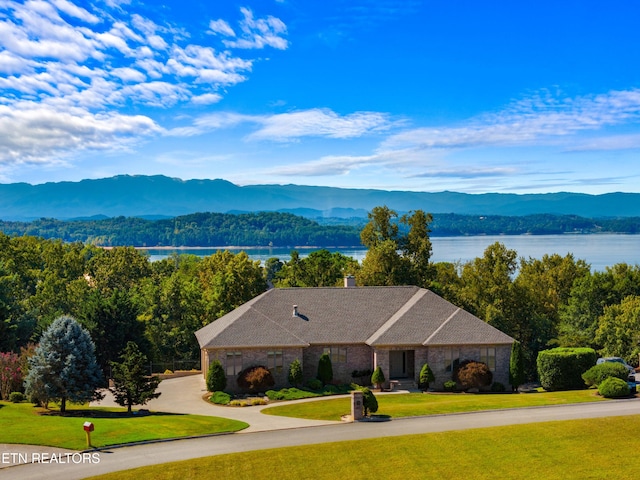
point(396, 328)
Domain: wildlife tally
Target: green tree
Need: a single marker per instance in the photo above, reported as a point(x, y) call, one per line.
point(325, 369)
point(64, 366)
point(216, 378)
point(416, 247)
point(131, 384)
point(383, 265)
point(516, 366)
point(377, 378)
point(619, 330)
point(426, 376)
point(380, 228)
point(295, 376)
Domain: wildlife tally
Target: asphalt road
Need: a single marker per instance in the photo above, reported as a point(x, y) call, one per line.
point(156, 453)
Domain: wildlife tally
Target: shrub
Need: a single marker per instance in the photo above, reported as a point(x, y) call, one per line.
point(330, 389)
point(216, 377)
point(497, 387)
point(257, 401)
point(598, 373)
point(377, 377)
point(238, 403)
point(369, 401)
point(17, 397)
point(562, 368)
point(290, 394)
point(450, 386)
point(220, 398)
point(325, 369)
point(472, 374)
point(314, 384)
point(256, 379)
point(295, 373)
point(168, 372)
point(426, 376)
point(613, 387)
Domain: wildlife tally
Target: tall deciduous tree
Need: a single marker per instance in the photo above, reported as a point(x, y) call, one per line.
point(131, 384)
point(619, 330)
point(64, 366)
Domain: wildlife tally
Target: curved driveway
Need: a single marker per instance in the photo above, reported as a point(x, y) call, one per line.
point(116, 459)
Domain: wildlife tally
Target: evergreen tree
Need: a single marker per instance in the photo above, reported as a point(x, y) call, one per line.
point(325, 369)
point(516, 366)
point(377, 378)
point(64, 366)
point(216, 378)
point(132, 386)
point(295, 373)
point(426, 376)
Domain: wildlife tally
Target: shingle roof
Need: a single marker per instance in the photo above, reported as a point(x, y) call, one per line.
point(365, 315)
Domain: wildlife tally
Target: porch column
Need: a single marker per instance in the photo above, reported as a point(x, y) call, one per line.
point(381, 359)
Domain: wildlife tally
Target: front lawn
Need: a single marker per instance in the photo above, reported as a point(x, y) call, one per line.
point(553, 450)
point(23, 423)
point(417, 404)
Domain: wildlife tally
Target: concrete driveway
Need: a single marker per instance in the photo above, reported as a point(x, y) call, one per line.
point(184, 395)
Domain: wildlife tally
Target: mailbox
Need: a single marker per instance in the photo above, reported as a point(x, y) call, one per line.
point(88, 427)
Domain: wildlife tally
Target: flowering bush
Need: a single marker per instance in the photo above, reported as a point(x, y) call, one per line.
point(10, 374)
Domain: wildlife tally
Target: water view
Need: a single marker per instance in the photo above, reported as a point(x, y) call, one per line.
point(600, 251)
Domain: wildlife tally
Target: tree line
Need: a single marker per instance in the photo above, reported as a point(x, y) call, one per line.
point(119, 295)
point(285, 229)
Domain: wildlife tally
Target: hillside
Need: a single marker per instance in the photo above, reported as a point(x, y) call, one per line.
point(154, 196)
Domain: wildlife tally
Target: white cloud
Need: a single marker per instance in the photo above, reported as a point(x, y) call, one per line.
point(221, 27)
point(318, 123)
point(260, 32)
point(85, 62)
point(206, 99)
point(38, 134)
point(536, 119)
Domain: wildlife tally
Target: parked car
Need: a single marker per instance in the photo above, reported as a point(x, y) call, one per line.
point(632, 370)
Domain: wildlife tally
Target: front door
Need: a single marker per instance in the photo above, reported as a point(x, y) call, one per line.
point(398, 363)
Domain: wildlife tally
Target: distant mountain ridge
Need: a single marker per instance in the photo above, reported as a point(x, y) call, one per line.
point(160, 196)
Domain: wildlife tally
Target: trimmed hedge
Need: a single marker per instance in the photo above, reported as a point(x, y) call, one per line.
point(614, 388)
point(562, 368)
point(599, 373)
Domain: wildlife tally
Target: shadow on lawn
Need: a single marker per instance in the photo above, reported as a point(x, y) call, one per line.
point(90, 413)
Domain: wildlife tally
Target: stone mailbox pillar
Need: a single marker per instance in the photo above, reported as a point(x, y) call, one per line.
point(357, 405)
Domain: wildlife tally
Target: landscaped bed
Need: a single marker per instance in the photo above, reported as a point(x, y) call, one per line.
point(23, 423)
point(417, 404)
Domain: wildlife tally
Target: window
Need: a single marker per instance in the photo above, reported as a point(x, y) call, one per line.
point(337, 354)
point(488, 356)
point(234, 363)
point(451, 359)
point(275, 361)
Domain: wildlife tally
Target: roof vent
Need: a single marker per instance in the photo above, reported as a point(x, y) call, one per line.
point(349, 281)
point(295, 311)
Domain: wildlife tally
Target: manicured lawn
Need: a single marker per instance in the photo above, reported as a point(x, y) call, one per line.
point(24, 423)
point(577, 449)
point(416, 404)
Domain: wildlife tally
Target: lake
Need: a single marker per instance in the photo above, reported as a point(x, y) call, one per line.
point(600, 251)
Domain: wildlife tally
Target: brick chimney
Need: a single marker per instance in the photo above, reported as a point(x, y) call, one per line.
point(349, 281)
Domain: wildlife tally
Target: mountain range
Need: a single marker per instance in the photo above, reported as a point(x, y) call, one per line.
point(160, 196)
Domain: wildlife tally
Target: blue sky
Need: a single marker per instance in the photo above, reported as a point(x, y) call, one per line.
point(398, 95)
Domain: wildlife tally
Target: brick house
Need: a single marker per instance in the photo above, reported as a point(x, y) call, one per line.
point(396, 328)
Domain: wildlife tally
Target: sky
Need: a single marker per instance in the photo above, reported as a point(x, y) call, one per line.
point(459, 95)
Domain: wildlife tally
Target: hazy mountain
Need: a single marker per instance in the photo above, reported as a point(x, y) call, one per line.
point(160, 196)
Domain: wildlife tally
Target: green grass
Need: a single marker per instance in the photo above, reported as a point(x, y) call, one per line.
point(554, 450)
point(23, 423)
point(416, 404)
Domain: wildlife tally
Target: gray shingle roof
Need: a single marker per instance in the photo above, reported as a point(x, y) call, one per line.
point(364, 315)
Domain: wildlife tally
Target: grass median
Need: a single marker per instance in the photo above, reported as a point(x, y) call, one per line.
point(23, 423)
point(576, 449)
point(417, 404)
